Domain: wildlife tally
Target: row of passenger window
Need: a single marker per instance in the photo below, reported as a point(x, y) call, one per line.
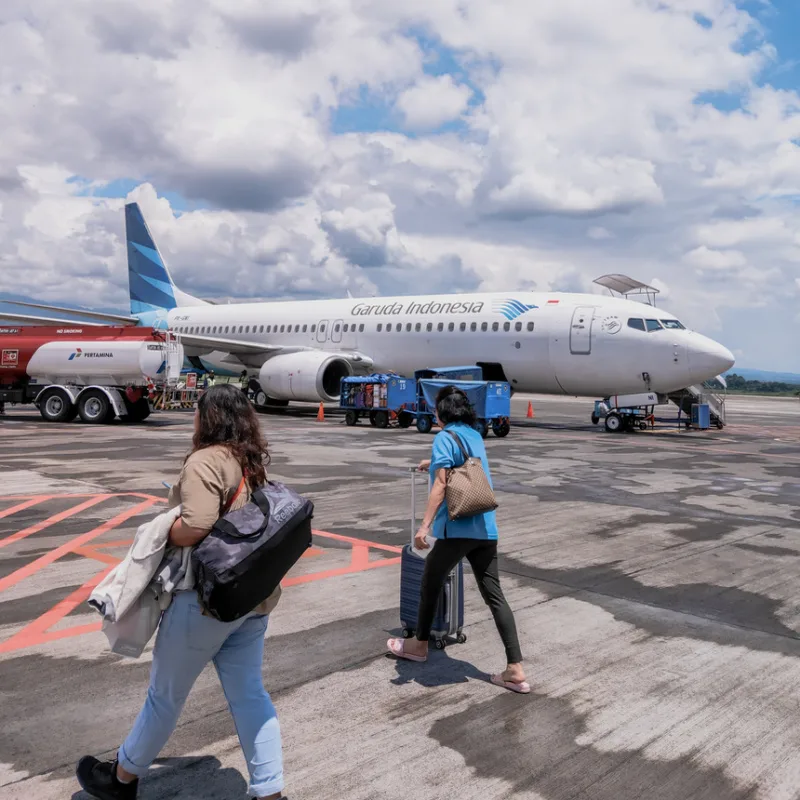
point(651, 325)
point(451, 326)
point(344, 328)
point(232, 329)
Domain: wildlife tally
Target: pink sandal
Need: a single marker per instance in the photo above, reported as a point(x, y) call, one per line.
point(520, 688)
point(397, 648)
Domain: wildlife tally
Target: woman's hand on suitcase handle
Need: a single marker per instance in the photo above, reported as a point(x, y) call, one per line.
point(424, 465)
point(421, 538)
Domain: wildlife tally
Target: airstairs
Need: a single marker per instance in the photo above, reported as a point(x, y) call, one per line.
point(686, 398)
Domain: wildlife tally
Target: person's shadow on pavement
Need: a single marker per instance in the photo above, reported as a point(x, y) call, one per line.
point(200, 778)
point(439, 670)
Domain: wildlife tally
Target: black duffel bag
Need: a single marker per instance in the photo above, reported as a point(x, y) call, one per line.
point(249, 551)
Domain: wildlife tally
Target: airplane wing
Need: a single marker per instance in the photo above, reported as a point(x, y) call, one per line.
point(30, 318)
point(253, 354)
point(234, 346)
point(107, 319)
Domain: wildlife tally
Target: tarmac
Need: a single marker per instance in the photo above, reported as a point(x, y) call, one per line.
point(653, 575)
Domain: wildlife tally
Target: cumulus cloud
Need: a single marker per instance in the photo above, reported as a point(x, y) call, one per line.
point(505, 145)
point(433, 101)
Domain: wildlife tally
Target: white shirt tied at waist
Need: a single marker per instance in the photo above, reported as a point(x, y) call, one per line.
point(132, 597)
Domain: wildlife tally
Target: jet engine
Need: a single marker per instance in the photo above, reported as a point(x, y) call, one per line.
point(309, 375)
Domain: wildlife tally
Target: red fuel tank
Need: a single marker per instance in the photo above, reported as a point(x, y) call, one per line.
point(20, 345)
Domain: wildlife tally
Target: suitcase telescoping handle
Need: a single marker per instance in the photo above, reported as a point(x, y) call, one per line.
point(413, 503)
point(414, 473)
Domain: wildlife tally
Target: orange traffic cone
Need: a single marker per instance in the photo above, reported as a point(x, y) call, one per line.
point(531, 415)
point(321, 413)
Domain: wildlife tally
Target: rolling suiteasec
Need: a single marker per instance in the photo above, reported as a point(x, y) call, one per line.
point(449, 618)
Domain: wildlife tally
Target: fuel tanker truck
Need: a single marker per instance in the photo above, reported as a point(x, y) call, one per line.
point(94, 371)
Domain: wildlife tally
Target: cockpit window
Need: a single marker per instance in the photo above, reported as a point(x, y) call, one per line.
point(653, 325)
point(636, 324)
point(673, 324)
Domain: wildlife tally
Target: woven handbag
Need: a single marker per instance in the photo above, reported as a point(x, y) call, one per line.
point(468, 491)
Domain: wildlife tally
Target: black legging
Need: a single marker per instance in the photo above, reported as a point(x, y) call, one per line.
point(482, 556)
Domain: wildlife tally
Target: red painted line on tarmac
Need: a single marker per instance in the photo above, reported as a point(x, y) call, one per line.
point(82, 494)
point(48, 558)
point(8, 512)
point(38, 631)
point(52, 636)
point(109, 545)
point(53, 520)
point(339, 538)
point(360, 557)
point(46, 496)
point(97, 555)
point(334, 573)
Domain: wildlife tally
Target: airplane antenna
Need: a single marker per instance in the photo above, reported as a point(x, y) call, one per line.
point(624, 286)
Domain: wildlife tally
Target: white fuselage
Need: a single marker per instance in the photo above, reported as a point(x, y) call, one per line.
point(578, 344)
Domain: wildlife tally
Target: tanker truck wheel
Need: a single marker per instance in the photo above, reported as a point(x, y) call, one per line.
point(138, 411)
point(94, 407)
point(56, 406)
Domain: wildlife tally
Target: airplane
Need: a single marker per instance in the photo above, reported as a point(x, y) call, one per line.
point(558, 343)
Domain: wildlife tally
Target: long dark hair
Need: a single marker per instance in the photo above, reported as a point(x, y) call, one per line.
point(452, 405)
point(228, 419)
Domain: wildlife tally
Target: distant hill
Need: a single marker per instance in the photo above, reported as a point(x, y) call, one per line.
point(766, 376)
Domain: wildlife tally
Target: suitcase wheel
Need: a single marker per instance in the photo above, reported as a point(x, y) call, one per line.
point(407, 633)
point(440, 644)
point(461, 638)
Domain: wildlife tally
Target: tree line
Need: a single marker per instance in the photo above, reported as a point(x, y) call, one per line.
point(736, 383)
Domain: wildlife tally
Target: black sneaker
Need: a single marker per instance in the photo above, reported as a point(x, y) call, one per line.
point(99, 779)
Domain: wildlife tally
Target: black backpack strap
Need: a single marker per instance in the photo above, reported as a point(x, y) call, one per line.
point(464, 451)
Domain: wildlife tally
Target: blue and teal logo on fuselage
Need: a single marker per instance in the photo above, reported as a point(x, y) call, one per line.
point(511, 308)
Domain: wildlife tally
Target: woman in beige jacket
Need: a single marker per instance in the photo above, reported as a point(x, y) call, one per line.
point(228, 461)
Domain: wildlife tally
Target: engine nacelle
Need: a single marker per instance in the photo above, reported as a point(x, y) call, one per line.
point(310, 375)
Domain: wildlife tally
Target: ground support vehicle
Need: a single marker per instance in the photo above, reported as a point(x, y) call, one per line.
point(96, 372)
point(628, 412)
point(490, 399)
point(382, 398)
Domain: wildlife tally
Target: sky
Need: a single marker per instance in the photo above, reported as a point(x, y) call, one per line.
point(308, 149)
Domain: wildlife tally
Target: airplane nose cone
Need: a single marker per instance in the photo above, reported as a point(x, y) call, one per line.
point(708, 358)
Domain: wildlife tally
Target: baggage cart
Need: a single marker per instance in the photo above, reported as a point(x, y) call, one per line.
point(490, 399)
point(380, 398)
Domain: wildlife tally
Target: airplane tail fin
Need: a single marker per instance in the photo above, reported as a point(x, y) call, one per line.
point(152, 291)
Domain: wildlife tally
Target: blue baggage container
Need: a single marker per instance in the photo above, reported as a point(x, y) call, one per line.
point(490, 399)
point(498, 400)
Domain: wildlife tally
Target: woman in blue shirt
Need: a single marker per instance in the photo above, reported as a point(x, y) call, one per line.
point(473, 538)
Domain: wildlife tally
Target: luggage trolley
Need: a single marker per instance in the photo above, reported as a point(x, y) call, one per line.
point(490, 399)
point(382, 398)
point(448, 621)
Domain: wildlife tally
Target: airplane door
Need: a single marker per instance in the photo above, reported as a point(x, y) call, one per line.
point(336, 331)
point(322, 331)
point(580, 335)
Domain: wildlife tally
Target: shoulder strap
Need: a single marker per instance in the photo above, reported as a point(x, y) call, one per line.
point(464, 451)
point(242, 484)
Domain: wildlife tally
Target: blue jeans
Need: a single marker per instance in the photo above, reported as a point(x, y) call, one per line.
point(185, 643)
